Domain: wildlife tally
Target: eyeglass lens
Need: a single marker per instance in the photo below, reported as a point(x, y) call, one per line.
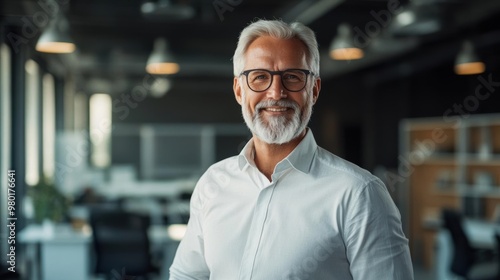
point(292, 80)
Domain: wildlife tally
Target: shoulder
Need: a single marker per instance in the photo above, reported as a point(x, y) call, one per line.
point(327, 165)
point(227, 166)
point(216, 177)
point(362, 190)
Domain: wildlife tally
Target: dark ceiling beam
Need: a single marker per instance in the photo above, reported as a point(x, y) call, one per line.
point(307, 11)
point(135, 66)
point(476, 11)
point(214, 41)
point(428, 58)
point(480, 11)
point(373, 56)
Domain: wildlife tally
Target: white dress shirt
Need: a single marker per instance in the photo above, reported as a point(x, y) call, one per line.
point(320, 217)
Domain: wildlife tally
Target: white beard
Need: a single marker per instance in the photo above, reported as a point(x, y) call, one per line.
point(277, 129)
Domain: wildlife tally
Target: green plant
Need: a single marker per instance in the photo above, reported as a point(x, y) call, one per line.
point(48, 202)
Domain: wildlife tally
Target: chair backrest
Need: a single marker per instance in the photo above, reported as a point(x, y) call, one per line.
point(497, 239)
point(463, 255)
point(121, 242)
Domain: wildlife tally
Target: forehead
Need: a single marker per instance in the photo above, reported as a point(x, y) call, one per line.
point(267, 51)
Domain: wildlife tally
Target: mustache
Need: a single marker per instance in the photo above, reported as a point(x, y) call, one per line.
point(277, 103)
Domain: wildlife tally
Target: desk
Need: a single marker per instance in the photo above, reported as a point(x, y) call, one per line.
point(65, 253)
point(135, 189)
point(481, 234)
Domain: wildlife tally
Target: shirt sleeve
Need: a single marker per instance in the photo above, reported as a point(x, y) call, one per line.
point(376, 245)
point(189, 262)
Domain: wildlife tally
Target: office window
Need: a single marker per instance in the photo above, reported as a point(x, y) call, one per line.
point(100, 129)
point(32, 118)
point(49, 126)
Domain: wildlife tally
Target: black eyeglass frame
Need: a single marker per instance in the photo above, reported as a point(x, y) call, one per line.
point(280, 73)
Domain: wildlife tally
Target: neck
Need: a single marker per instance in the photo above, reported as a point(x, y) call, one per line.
point(268, 155)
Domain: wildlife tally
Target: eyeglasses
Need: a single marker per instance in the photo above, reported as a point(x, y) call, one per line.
point(260, 80)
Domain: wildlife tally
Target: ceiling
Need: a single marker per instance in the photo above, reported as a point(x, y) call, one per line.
point(114, 38)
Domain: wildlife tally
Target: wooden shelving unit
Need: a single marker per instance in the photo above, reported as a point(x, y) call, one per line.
point(450, 165)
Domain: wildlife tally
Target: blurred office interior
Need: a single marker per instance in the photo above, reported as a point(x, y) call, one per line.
point(107, 132)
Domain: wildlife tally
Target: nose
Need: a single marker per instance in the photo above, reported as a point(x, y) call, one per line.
point(274, 91)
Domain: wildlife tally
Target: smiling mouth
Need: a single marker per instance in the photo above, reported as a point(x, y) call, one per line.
point(275, 109)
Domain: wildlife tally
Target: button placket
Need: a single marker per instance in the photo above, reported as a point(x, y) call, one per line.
point(256, 229)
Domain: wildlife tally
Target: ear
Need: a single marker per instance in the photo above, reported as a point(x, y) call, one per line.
point(316, 89)
point(237, 89)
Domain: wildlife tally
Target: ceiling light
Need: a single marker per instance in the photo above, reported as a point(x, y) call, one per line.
point(161, 61)
point(467, 62)
point(343, 47)
point(164, 9)
point(418, 19)
point(160, 87)
point(406, 18)
point(55, 38)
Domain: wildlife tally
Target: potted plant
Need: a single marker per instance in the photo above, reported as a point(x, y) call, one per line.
point(48, 202)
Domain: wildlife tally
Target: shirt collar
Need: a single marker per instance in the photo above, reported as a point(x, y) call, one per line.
point(300, 158)
point(246, 156)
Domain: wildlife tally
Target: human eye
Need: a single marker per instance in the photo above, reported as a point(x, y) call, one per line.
point(293, 76)
point(258, 76)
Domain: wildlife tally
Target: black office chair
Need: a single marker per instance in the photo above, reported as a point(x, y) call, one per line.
point(121, 244)
point(465, 257)
point(497, 239)
point(6, 274)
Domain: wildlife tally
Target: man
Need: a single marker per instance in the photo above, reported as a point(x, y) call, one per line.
point(285, 208)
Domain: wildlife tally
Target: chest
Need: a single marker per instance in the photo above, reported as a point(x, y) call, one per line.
point(283, 226)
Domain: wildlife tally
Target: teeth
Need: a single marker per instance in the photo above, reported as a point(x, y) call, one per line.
point(276, 109)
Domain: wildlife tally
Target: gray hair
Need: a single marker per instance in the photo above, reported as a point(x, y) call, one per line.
point(281, 30)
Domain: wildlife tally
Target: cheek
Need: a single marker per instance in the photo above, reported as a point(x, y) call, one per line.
point(302, 100)
point(250, 102)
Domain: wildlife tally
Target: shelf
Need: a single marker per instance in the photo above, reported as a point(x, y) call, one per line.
point(432, 222)
point(489, 121)
point(474, 159)
point(454, 158)
point(436, 158)
point(427, 124)
point(472, 190)
point(450, 170)
point(445, 192)
point(443, 155)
